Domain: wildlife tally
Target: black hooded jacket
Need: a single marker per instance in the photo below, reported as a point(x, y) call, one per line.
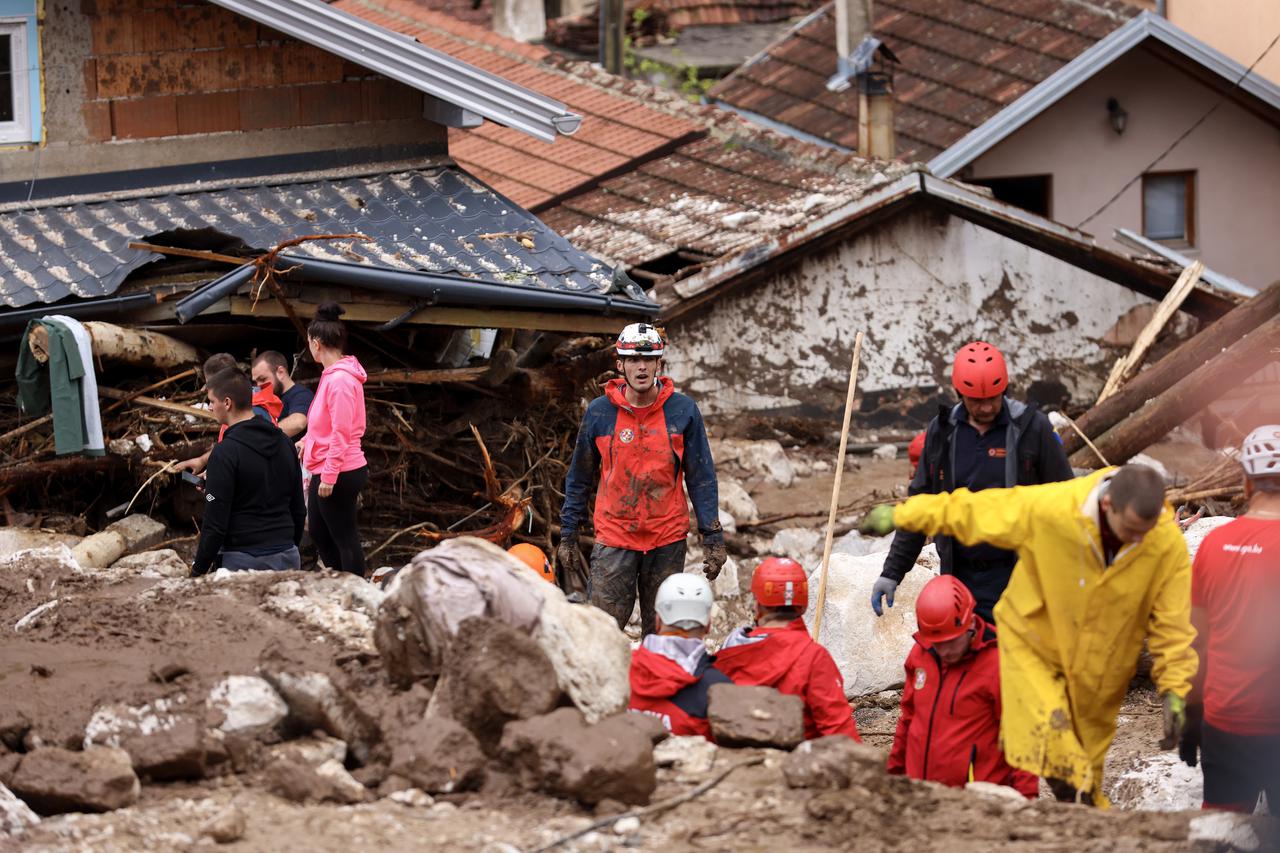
point(253, 493)
point(1034, 456)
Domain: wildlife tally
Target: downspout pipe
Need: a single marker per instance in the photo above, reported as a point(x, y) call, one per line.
point(434, 289)
point(109, 307)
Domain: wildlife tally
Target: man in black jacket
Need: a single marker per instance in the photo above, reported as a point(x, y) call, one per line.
point(986, 441)
point(253, 512)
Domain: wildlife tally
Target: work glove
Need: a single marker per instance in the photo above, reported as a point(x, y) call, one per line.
point(1189, 745)
point(569, 558)
point(878, 522)
point(713, 559)
point(1175, 719)
point(884, 587)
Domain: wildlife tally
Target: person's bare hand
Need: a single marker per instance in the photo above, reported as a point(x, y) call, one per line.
point(192, 465)
point(325, 490)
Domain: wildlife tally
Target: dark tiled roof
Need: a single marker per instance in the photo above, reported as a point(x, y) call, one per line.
point(962, 61)
point(438, 220)
point(739, 188)
point(616, 128)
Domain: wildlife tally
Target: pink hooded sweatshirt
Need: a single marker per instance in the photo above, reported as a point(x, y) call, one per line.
point(335, 422)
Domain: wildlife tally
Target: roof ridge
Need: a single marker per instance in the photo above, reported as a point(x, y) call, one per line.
point(471, 34)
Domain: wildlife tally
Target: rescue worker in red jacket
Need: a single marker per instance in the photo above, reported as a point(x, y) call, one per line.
point(949, 731)
point(647, 443)
point(778, 651)
point(672, 671)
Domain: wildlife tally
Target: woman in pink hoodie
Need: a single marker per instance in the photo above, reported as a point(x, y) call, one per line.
point(331, 450)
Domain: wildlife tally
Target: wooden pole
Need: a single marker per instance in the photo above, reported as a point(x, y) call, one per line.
point(151, 402)
point(1185, 398)
point(835, 487)
point(1127, 365)
point(1190, 355)
point(121, 343)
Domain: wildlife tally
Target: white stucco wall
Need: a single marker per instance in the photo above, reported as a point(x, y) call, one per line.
point(919, 286)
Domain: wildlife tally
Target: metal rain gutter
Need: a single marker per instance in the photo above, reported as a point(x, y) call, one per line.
point(433, 288)
point(404, 59)
point(110, 306)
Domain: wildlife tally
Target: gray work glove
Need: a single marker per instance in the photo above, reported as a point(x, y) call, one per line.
point(714, 556)
point(883, 588)
point(569, 558)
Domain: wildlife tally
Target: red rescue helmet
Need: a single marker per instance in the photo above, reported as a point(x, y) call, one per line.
point(532, 556)
point(944, 610)
point(915, 450)
point(979, 371)
point(780, 582)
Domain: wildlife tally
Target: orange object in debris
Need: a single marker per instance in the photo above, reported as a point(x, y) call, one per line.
point(915, 450)
point(532, 556)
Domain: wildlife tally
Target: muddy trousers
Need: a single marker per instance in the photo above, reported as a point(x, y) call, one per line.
point(332, 521)
point(616, 573)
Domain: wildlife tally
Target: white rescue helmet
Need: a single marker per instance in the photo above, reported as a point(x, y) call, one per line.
point(640, 339)
point(684, 601)
point(1260, 453)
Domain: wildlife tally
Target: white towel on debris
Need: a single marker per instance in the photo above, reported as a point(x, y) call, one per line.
point(94, 445)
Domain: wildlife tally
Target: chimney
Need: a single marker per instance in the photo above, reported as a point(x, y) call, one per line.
point(861, 57)
point(522, 20)
point(613, 33)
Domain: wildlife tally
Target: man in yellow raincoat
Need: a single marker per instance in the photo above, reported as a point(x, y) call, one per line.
point(1101, 565)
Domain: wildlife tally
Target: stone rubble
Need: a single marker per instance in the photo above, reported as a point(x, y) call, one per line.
point(249, 705)
point(53, 780)
point(165, 739)
point(754, 716)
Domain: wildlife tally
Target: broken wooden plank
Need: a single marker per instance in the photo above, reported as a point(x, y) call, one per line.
point(1127, 365)
point(151, 402)
point(1183, 399)
point(191, 253)
point(470, 318)
point(427, 377)
point(1188, 356)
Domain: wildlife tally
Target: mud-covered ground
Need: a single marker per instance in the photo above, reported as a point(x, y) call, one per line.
point(123, 638)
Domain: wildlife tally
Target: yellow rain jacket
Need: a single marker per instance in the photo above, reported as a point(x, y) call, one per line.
point(1071, 630)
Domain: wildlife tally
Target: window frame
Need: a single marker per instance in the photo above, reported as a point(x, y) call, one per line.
point(1188, 239)
point(22, 128)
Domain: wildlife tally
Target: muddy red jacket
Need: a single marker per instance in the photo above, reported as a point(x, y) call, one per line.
point(670, 677)
point(789, 660)
point(645, 457)
point(949, 731)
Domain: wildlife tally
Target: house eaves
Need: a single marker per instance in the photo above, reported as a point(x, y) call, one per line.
point(1097, 58)
point(403, 59)
point(1060, 241)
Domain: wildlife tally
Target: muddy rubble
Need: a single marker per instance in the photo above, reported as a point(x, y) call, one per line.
point(144, 711)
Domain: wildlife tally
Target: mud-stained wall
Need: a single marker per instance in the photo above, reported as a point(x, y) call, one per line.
point(919, 286)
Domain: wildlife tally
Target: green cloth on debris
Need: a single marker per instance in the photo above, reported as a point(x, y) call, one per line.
point(62, 381)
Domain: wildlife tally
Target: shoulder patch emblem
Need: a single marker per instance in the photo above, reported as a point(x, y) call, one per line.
point(208, 496)
point(920, 677)
point(626, 436)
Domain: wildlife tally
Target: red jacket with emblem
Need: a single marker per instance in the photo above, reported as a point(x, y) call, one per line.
point(670, 677)
point(789, 660)
point(950, 719)
point(645, 458)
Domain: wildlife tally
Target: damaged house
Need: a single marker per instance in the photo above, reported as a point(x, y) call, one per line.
point(203, 175)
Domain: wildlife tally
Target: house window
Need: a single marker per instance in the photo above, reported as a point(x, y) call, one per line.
point(1033, 193)
point(15, 97)
point(1168, 207)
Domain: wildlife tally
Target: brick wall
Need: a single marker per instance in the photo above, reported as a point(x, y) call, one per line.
point(161, 68)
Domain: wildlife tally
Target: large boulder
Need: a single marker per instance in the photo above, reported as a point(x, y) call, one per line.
point(165, 739)
point(248, 705)
point(439, 756)
point(561, 754)
point(869, 649)
point(16, 817)
point(165, 563)
point(754, 716)
point(754, 459)
point(1201, 528)
point(802, 544)
point(340, 604)
point(99, 779)
point(735, 500)
point(303, 783)
point(462, 578)
point(834, 761)
point(315, 702)
point(496, 674)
